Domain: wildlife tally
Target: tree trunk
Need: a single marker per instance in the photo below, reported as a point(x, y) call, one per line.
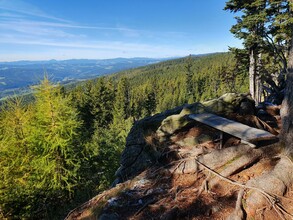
point(287, 104)
point(252, 73)
point(258, 84)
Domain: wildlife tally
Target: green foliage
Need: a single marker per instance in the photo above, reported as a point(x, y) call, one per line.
point(122, 101)
point(81, 99)
point(16, 168)
point(55, 131)
point(39, 154)
point(110, 143)
point(102, 96)
point(188, 80)
point(172, 83)
point(64, 147)
point(265, 28)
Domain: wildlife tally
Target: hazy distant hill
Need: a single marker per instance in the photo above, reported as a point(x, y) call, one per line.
point(19, 75)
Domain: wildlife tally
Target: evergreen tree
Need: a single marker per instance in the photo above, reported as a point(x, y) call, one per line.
point(251, 28)
point(287, 104)
point(102, 99)
point(82, 99)
point(122, 101)
point(265, 28)
point(150, 103)
point(188, 80)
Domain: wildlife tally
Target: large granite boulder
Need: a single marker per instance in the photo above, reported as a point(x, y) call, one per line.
point(229, 103)
point(139, 154)
point(226, 104)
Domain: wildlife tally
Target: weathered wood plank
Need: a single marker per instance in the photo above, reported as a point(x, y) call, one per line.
point(244, 132)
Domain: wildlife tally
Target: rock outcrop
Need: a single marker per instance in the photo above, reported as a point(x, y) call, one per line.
point(139, 155)
point(172, 168)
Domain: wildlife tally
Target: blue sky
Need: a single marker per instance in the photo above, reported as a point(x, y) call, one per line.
point(97, 29)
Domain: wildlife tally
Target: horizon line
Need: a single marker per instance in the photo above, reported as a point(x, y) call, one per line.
point(134, 57)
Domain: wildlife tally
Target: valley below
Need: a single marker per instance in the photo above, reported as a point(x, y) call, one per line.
point(17, 77)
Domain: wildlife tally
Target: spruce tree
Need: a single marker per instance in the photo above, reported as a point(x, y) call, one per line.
point(102, 99)
point(188, 81)
point(287, 104)
point(82, 99)
point(122, 101)
point(251, 28)
point(264, 27)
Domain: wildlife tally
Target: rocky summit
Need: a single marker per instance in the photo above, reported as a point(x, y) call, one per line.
point(173, 167)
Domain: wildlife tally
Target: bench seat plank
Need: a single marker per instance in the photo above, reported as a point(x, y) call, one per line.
point(236, 129)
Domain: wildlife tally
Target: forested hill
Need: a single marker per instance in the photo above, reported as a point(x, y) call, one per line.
point(194, 78)
point(64, 146)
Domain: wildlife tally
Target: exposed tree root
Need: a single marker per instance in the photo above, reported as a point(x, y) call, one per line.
point(204, 185)
point(272, 198)
point(214, 159)
point(238, 213)
point(238, 165)
point(233, 160)
point(219, 164)
point(279, 179)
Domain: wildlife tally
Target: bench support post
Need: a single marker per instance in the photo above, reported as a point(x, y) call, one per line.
point(221, 139)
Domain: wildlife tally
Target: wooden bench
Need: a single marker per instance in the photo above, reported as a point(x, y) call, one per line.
point(247, 134)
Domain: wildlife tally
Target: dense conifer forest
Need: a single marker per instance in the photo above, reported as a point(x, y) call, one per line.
point(63, 147)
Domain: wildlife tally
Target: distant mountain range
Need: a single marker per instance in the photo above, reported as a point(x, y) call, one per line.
point(16, 77)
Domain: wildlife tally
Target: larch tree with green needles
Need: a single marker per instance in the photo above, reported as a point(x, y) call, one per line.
point(16, 157)
point(54, 138)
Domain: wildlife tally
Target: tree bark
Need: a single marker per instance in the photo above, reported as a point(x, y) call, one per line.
point(258, 85)
point(287, 104)
point(252, 71)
